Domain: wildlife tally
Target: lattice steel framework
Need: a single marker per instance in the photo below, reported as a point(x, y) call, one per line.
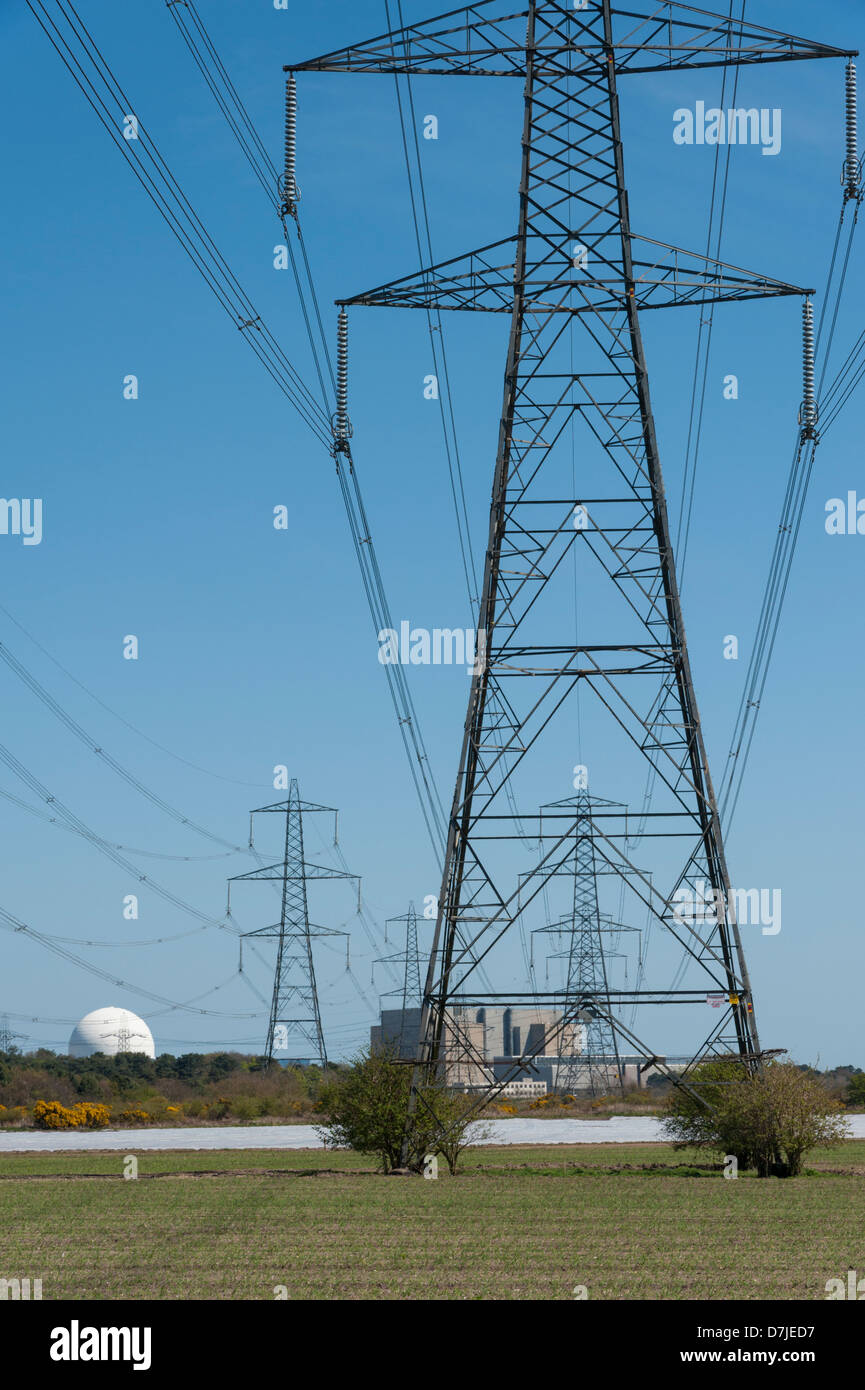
point(574, 280)
point(595, 1066)
point(8, 1035)
point(295, 1030)
point(410, 992)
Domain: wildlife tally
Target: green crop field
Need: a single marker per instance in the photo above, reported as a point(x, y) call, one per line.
point(625, 1221)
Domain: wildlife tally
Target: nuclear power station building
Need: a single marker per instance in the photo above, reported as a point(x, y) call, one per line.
point(481, 1045)
point(111, 1031)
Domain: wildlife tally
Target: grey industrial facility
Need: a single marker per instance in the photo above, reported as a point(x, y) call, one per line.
point(481, 1045)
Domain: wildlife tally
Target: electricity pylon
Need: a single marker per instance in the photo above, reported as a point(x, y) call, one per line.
point(410, 991)
point(578, 479)
point(294, 1030)
point(8, 1035)
point(124, 1037)
point(592, 1065)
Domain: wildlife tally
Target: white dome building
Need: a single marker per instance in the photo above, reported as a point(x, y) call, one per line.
point(111, 1031)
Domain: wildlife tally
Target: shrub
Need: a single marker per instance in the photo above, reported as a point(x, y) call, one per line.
point(278, 1091)
point(14, 1115)
point(554, 1099)
point(50, 1114)
point(769, 1119)
point(135, 1116)
point(284, 1106)
point(700, 1116)
point(784, 1113)
point(157, 1109)
point(367, 1109)
point(637, 1095)
point(92, 1115)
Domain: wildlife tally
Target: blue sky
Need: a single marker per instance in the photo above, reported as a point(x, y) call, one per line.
point(255, 644)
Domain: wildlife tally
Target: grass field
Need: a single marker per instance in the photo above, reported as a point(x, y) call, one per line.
point(626, 1221)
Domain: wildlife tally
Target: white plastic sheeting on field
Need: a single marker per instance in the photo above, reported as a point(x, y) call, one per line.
point(621, 1129)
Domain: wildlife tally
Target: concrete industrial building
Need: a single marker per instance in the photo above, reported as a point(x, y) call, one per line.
point(480, 1046)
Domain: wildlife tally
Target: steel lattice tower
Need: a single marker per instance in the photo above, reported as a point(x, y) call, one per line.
point(410, 992)
point(574, 280)
point(589, 1068)
point(8, 1035)
point(295, 1028)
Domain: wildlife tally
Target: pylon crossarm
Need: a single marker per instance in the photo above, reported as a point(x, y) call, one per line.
point(280, 808)
point(278, 871)
point(671, 36)
point(488, 40)
point(482, 280)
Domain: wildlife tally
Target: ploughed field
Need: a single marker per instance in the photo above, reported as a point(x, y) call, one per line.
point(623, 1221)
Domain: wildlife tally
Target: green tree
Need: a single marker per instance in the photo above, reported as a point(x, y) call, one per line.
point(769, 1119)
point(783, 1114)
point(856, 1090)
point(221, 1064)
point(699, 1116)
point(191, 1067)
point(367, 1109)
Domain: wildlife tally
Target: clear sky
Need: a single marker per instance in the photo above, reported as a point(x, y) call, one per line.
point(256, 646)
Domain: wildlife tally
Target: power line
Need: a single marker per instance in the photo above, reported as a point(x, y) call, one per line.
point(102, 845)
point(689, 475)
point(223, 90)
point(97, 83)
point(792, 513)
point(14, 924)
point(127, 849)
point(87, 691)
point(435, 326)
point(75, 728)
